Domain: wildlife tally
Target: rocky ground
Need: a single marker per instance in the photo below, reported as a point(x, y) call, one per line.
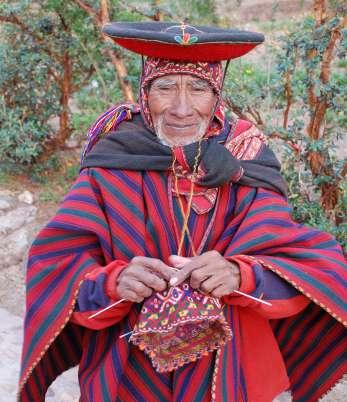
point(20, 219)
point(21, 216)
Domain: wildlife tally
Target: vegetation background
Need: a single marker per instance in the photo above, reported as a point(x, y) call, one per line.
point(58, 73)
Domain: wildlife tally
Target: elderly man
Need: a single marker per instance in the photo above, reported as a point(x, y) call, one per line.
point(173, 270)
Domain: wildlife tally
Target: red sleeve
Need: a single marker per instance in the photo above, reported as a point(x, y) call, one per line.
point(255, 281)
point(112, 315)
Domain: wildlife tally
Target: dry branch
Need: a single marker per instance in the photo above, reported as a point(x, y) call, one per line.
point(157, 16)
point(100, 18)
point(289, 98)
point(87, 8)
point(13, 19)
point(330, 192)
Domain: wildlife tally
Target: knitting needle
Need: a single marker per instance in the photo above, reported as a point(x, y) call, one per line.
point(253, 298)
point(124, 335)
point(236, 291)
point(106, 308)
point(112, 305)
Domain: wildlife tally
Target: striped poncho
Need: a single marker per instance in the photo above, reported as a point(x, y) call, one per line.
point(113, 215)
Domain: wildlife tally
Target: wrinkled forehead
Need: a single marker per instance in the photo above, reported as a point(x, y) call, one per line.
point(211, 73)
point(179, 79)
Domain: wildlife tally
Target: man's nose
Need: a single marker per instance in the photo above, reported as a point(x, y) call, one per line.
point(182, 105)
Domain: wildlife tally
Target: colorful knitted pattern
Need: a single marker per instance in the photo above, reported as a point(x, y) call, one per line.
point(108, 121)
point(178, 326)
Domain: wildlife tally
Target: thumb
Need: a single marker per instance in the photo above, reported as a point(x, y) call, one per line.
point(184, 273)
point(177, 261)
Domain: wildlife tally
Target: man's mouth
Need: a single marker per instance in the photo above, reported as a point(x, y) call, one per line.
point(180, 126)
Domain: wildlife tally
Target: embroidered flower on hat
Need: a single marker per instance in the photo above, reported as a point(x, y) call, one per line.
point(185, 38)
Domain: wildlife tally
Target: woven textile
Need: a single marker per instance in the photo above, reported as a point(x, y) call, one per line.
point(112, 214)
point(179, 326)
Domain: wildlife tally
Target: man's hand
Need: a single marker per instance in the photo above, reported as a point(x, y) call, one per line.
point(210, 273)
point(141, 277)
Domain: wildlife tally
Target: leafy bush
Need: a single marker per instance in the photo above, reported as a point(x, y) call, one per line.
point(298, 99)
point(20, 137)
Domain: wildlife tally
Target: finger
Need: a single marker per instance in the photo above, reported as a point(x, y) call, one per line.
point(200, 261)
point(221, 291)
point(131, 296)
point(186, 271)
point(141, 289)
point(156, 265)
point(136, 286)
point(211, 283)
point(178, 262)
point(198, 277)
point(150, 280)
point(226, 287)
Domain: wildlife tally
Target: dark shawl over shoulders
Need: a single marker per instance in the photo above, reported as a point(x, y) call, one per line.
point(133, 147)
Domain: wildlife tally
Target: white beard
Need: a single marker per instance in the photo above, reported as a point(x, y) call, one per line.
point(158, 129)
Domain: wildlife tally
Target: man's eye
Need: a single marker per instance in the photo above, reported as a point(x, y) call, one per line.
point(199, 88)
point(165, 88)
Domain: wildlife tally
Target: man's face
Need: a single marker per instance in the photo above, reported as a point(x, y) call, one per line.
point(181, 107)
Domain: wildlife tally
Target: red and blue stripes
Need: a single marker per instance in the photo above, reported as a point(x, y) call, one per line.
point(115, 215)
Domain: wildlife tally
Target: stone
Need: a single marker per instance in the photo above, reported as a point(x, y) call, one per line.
point(65, 388)
point(27, 197)
point(6, 194)
point(16, 218)
point(4, 205)
point(13, 247)
point(284, 397)
point(10, 349)
point(12, 289)
point(6, 200)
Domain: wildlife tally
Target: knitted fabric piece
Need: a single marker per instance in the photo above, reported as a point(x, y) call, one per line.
point(179, 326)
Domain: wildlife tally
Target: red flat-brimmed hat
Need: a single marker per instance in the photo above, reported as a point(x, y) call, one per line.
point(182, 41)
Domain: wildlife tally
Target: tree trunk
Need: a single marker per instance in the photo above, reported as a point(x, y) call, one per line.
point(122, 73)
point(115, 57)
point(330, 192)
point(101, 17)
point(156, 6)
point(65, 85)
point(66, 89)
